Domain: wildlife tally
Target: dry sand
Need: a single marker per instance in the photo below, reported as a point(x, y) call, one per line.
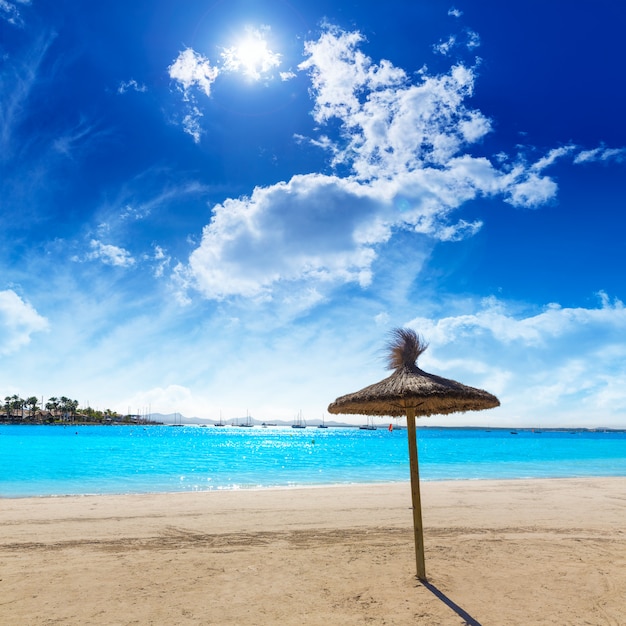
point(497, 553)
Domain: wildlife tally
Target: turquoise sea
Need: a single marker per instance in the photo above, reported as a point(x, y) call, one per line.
point(66, 460)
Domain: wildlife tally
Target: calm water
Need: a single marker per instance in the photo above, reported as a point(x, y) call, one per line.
point(57, 460)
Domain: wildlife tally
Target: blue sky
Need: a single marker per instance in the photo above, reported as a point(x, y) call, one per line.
point(226, 206)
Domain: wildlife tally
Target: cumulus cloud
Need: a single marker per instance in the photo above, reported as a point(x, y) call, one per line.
point(406, 151)
point(110, 254)
point(313, 228)
point(18, 321)
point(191, 69)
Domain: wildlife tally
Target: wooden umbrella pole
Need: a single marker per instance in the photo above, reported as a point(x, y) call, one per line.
point(418, 529)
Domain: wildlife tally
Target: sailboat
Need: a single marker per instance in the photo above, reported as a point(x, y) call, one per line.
point(248, 423)
point(323, 424)
point(299, 422)
point(220, 423)
point(369, 426)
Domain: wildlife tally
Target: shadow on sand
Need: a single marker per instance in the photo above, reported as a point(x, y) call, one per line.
point(449, 603)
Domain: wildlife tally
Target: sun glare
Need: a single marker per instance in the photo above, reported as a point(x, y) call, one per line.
point(251, 55)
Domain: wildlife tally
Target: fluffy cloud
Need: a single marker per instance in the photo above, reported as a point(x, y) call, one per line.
point(191, 69)
point(110, 254)
point(315, 227)
point(406, 150)
point(406, 147)
point(18, 321)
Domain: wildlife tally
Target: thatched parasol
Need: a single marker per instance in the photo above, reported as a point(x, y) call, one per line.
point(412, 392)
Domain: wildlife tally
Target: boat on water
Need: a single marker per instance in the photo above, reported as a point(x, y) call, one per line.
point(299, 422)
point(323, 424)
point(177, 420)
point(220, 423)
point(369, 426)
point(248, 423)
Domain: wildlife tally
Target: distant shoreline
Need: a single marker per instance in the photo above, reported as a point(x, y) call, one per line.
point(281, 424)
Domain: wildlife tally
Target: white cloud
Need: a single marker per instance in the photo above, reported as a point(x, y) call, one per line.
point(552, 156)
point(18, 321)
point(473, 40)
point(601, 154)
point(531, 190)
point(444, 47)
point(162, 260)
point(110, 254)
point(554, 322)
point(191, 69)
point(166, 400)
point(340, 72)
point(312, 228)
point(191, 124)
point(408, 150)
point(10, 11)
point(392, 127)
point(124, 86)
point(558, 364)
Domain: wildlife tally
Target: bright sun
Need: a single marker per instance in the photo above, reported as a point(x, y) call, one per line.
point(251, 55)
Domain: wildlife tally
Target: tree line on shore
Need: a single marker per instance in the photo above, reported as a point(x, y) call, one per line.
point(56, 409)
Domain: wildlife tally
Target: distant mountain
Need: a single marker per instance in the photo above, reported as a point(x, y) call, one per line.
point(177, 418)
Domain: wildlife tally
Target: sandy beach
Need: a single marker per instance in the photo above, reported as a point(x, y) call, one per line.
point(497, 553)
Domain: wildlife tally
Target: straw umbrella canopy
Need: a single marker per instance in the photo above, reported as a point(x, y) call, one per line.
point(412, 392)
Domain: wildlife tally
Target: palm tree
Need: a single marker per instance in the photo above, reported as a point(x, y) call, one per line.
point(52, 405)
point(7, 406)
point(17, 404)
point(68, 407)
point(64, 406)
point(31, 403)
point(73, 407)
